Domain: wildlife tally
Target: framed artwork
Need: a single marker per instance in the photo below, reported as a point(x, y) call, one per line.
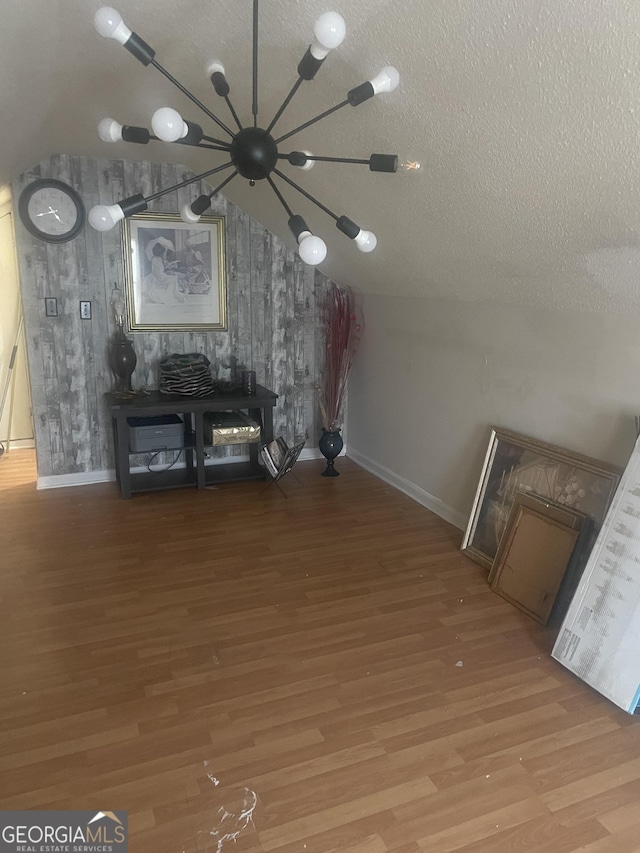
point(175, 273)
point(515, 463)
point(538, 545)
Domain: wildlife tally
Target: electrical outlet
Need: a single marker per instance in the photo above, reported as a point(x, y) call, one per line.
point(85, 310)
point(51, 306)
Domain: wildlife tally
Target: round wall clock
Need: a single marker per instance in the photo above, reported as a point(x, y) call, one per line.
point(51, 210)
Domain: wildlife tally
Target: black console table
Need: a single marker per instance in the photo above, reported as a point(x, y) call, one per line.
point(259, 407)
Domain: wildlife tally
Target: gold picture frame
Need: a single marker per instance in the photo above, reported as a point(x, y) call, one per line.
point(175, 273)
point(531, 567)
point(516, 463)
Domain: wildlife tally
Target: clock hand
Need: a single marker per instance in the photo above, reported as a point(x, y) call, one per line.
point(49, 212)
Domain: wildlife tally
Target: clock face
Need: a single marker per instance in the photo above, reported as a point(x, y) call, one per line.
point(52, 210)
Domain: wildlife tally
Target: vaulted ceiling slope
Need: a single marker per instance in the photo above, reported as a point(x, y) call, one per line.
point(525, 116)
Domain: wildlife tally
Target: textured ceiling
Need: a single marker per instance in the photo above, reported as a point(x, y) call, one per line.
point(524, 114)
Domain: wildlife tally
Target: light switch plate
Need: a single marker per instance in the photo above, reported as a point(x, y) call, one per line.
point(51, 306)
point(85, 310)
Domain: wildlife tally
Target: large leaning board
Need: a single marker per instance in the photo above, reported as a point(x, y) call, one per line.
point(600, 637)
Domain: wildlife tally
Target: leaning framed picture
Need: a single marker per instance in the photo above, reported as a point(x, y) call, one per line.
point(516, 463)
point(175, 273)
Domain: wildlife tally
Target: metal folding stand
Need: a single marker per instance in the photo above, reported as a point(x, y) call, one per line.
point(290, 459)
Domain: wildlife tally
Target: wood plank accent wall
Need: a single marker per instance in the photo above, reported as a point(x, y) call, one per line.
point(272, 317)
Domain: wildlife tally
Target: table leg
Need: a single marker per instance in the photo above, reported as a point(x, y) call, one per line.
point(267, 415)
point(200, 449)
point(188, 433)
point(121, 438)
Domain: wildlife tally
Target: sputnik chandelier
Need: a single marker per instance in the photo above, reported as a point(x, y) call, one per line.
point(253, 151)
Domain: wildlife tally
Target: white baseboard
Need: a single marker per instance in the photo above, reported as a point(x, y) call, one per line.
point(18, 444)
point(415, 492)
point(310, 453)
point(82, 478)
point(87, 478)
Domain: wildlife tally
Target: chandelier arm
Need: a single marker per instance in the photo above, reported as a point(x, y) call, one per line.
point(311, 249)
point(280, 197)
point(225, 145)
point(188, 181)
point(192, 212)
point(191, 97)
point(285, 103)
point(306, 194)
point(313, 121)
point(254, 102)
point(322, 159)
point(223, 184)
point(221, 86)
point(209, 147)
point(233, 112)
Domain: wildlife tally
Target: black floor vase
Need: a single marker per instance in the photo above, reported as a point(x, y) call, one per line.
point(330, 445)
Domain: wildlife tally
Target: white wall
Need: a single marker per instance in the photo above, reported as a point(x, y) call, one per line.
point(432, 377)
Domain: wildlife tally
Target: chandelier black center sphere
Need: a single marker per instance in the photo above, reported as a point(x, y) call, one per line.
point(252, 152)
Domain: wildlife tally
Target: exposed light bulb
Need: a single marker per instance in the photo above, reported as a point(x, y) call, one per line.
point(366, 241)
point(406, 166)
point(108, 22)
point(109, 130)
point(386, 80)
point(329, 30)
point(311, 249)
point(215, 73)
point(168, 124)
point(309, 164)
point(187, 215)
point(103, 217)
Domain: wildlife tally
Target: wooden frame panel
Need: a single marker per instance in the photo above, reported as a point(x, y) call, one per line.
point(534, 554)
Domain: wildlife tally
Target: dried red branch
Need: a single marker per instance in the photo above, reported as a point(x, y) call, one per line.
point(343, 324)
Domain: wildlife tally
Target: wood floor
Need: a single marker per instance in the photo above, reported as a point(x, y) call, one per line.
point(325, 672)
